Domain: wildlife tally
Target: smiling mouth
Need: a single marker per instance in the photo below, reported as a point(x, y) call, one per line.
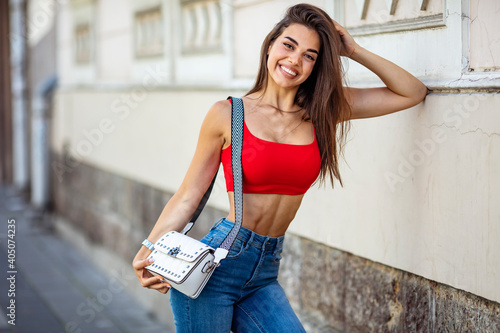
point(289, 71)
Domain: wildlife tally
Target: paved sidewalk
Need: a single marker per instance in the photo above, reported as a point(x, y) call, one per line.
point(56, 288)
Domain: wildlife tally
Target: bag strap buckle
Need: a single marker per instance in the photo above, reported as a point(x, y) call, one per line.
point(219, 254)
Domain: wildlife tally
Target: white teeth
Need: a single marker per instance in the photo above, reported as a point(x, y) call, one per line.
point(288, 71)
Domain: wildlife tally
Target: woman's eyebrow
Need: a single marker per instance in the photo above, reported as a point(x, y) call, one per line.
point(295, 42)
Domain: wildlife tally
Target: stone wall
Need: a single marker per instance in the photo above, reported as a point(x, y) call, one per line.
point(331, 290)
point(335, 291)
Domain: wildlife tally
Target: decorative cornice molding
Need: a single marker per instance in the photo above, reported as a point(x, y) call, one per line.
point(424, 22)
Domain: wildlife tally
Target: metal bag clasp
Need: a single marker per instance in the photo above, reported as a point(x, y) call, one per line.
point(174, 251)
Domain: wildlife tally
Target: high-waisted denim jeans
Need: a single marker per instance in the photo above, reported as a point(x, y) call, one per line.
point(243, 294)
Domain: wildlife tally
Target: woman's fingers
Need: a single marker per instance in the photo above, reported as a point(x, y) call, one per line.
point(157, 283)
point(140, 264)
point(147, 279)
point(349, 45)
point(339, 28)
point(163, 287)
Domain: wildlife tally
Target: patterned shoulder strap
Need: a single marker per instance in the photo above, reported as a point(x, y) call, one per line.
point(237, 116)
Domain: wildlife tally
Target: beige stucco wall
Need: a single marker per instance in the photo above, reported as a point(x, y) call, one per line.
point(421, 193)
point(421, 186)
point(152, 142)
point(485, 35)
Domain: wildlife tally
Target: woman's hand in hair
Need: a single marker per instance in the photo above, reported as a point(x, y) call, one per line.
point(349, 45)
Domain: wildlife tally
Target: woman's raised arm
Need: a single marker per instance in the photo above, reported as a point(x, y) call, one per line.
point(402, 89)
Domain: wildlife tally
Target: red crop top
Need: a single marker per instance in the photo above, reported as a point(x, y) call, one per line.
point(274, 168)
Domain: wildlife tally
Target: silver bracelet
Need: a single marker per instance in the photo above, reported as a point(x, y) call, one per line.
point(148, 244)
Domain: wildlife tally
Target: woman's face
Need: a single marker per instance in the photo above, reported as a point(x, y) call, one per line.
point(292, 55)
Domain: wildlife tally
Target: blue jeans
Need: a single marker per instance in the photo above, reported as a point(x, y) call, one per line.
point(243, 294)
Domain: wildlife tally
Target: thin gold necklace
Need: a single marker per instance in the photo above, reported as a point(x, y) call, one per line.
point(277, 108)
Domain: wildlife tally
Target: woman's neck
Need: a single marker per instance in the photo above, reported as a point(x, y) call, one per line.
point(280, 98)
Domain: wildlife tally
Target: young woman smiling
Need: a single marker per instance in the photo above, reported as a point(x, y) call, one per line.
point(296, 119)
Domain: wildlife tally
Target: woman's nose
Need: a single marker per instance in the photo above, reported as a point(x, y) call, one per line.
point(293, 59)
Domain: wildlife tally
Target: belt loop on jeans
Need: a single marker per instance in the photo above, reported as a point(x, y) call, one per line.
point(249, 240)
point(279, 245)
point(264, 243)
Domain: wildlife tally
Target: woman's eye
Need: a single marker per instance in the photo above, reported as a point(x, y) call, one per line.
point(288, 46)
point(310, 57)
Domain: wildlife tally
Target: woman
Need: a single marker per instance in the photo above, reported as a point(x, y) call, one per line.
point(296, 117)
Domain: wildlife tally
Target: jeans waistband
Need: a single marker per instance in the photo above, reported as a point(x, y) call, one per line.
point(252, 238)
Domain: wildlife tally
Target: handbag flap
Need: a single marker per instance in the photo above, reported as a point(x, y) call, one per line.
point(180, 246)
point(176, 255)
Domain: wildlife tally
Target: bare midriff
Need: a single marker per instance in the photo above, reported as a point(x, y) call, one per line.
point(267, 214)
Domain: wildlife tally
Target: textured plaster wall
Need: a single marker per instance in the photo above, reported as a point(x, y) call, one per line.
point(485, 35)
point(420, 193)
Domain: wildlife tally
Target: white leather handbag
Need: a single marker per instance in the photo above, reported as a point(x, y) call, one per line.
point(186, 263)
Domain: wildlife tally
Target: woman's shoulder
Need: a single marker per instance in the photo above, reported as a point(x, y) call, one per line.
point(222, 106)
point(220, 111)
point(218, 118)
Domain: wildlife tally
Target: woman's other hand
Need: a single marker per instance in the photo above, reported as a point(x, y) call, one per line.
point(349, 46)
point(147, 279)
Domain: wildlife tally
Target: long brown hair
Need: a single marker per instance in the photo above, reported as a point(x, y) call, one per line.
point(322, 94)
